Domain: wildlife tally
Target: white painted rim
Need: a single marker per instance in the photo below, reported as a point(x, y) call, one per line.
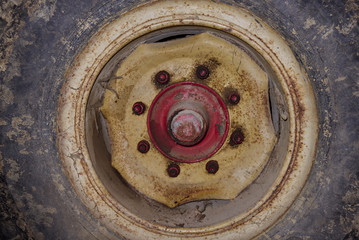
point(157, 15)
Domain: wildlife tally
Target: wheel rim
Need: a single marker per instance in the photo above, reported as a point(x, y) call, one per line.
point(302, 127)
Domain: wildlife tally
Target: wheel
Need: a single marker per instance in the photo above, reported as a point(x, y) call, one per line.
point(179, 120)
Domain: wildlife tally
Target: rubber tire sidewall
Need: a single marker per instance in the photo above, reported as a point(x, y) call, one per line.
point(51, 35)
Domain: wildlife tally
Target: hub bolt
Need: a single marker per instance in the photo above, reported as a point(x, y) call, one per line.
point(187, 127)
point(143, 146)
point(236, 137)
point(162, 77)
point(202, 72)
point(173, 170)
point(138, 108)
point(212, 167)
point(234, 98)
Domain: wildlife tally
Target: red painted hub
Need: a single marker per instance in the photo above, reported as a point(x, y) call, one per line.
point(188, 122)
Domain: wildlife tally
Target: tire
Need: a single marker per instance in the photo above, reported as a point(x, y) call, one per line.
point(42, 39)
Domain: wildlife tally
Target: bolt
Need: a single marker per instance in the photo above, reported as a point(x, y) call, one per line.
point(138, 108)
point(162, 77)
point(187, 127)
point(143, 146)
point(173, 170)
point(212, 166)
point(236, 137)
point(234, 98)
point(202, 72)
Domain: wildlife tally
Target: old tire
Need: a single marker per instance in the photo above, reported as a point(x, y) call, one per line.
point(43, 40)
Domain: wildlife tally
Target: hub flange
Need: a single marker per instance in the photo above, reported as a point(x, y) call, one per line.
point(188, 122)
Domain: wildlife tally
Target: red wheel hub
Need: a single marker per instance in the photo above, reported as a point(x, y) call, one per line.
point(188, 122)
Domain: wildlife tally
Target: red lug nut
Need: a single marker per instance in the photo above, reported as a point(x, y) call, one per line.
point(138, 108)
point(143, 146)
point(212, 166)
point(234, 98)
point(202, 72)
point(173, 170)
point(162, 77)
point(236, 138)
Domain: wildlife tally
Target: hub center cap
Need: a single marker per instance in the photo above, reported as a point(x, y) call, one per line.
point(187, 127)
point(188, 122)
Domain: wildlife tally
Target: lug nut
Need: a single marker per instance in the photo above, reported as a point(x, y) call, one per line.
point(138, 108)
point(212, 167)
point(143, 146)
point(202, 72)
point(234, 98)
point(173, 170)
point(162, 77)
point(236, 137)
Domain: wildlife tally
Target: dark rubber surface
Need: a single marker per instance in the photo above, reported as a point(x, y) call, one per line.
point(39, 40)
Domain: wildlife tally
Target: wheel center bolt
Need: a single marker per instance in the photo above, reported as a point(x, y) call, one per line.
point(173, 170)
point(187, 127)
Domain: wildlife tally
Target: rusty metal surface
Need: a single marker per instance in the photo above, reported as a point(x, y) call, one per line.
point(187, 127)
point(161, 14)
point(133, 82)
